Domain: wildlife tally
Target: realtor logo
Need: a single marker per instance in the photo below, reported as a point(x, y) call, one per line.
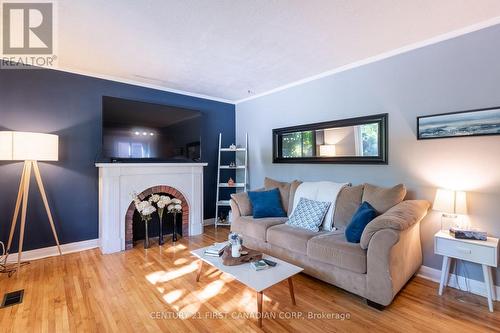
point(27, 35)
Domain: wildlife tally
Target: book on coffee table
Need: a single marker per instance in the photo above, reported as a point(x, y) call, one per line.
point(216, 250)
point(259, 265)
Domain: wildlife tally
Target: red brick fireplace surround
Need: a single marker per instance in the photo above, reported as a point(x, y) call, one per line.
point(161, 189)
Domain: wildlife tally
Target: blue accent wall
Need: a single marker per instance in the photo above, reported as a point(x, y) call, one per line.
point(69, 105)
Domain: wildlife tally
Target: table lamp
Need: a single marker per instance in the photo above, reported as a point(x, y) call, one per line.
point(30, 148)
point(451, 204)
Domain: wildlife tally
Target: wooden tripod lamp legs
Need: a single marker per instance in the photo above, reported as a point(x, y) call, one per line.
point(22, 198)
point(26, 190)
point(46, 203)
point(16, 210)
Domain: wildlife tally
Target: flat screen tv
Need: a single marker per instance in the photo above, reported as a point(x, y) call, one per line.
point(134, 131)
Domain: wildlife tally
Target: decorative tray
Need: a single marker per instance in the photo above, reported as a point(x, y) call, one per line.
point(252, 255)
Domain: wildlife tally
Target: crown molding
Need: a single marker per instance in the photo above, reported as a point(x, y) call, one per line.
point(381, 56)
point(140, 84)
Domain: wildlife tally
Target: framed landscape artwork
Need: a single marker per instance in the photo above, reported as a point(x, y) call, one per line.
point(459, 124)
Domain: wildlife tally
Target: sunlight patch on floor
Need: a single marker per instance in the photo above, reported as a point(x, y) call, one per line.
point(211, 290)
point(180, 261)
point(247, 300)
point(176, 248)
point(189, 310)
point(162, 276)
point(172, 296)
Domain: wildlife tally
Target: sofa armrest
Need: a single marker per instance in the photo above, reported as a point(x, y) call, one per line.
point(399, 218)
point(234, 208)
point(393, 257)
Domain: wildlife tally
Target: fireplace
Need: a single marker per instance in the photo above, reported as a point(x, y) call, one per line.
point(117, 181)
point(134, 227)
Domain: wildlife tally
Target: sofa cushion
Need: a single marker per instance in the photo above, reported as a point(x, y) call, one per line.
point(309, 214)
point(266, 204)
point(290, 238)
point(284, 189)
point(382, 198)
point(348, 202)
point(361, 218)
point(243, 202)
point(333, 249)
point(255, 228)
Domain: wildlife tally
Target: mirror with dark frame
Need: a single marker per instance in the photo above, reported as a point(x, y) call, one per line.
point(361, 140)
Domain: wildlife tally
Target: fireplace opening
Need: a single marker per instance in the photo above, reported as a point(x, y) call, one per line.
point(138, 228)
point(134, 226)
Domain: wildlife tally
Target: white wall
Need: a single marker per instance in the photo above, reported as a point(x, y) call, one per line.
point(459, 74)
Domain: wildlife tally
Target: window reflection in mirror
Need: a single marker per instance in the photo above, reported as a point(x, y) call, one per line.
point(298, 144)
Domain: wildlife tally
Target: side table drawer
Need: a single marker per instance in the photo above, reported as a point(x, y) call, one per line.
point(466, 251)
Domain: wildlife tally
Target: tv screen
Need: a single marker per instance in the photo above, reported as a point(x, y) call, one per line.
point(133, 130)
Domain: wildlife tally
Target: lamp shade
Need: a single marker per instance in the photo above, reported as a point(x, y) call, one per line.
point(327, 150)
point(26, 146)
point(444, 201)
point(452, 202)
point(460, 202)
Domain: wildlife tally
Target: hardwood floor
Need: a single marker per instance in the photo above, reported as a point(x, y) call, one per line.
point(138, 290)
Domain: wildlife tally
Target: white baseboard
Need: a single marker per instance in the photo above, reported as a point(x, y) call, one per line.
point(474, 286)
point(209, 221)
point(52, 250)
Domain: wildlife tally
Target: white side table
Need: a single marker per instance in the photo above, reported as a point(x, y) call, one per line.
point(484, 253)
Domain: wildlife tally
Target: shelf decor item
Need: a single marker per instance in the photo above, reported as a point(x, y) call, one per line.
point(145, 209)
point(30, 148)
point(174, 208)
point(457, 124)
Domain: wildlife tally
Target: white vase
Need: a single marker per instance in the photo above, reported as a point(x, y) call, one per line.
point(235, 250)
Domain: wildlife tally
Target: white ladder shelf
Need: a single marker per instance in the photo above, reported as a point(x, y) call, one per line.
point(237, 186)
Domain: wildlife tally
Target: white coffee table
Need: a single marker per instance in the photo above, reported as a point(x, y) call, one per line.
point(257, 280)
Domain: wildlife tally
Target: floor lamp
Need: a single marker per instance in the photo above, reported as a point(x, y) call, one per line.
point(30, 148)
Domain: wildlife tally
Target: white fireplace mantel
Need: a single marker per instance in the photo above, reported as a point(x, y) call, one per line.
point(118, 181)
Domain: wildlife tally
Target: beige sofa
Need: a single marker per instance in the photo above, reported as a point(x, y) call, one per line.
point(388, 255)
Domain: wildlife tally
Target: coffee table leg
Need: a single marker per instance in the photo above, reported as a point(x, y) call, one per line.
point(292, 294)
point(200, 266)
point(259, 306)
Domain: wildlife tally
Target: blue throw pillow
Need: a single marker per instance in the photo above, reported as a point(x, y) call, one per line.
point(360, 219)
point(308, 214)
point(266, 203)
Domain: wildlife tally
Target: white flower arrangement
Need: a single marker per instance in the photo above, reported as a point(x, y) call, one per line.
point(148, 209)
point(175, 206)
point(145, 208)
point(154, 198)
point(163, 201)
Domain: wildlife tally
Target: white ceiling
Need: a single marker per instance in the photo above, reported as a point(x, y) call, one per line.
point(224, 48)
